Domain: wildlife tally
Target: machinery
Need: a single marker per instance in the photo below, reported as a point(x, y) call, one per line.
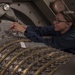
point(21, 56)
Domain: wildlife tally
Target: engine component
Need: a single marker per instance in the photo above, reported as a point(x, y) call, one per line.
point(57, 6)
point(6, 7)
point(15, 60)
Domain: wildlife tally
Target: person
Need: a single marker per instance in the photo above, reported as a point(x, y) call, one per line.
point(62, 32)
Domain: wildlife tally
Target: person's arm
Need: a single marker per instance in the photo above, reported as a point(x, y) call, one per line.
point(43, 30)
point(35, 37)
point(16, 26)
point(30, 33)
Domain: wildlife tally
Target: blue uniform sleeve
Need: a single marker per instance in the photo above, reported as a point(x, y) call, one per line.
point(42, 31)
point(34, 36)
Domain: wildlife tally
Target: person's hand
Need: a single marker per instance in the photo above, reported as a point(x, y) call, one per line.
point(16, 26)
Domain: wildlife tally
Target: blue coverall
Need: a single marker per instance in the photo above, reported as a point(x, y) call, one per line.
point(64, 41)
